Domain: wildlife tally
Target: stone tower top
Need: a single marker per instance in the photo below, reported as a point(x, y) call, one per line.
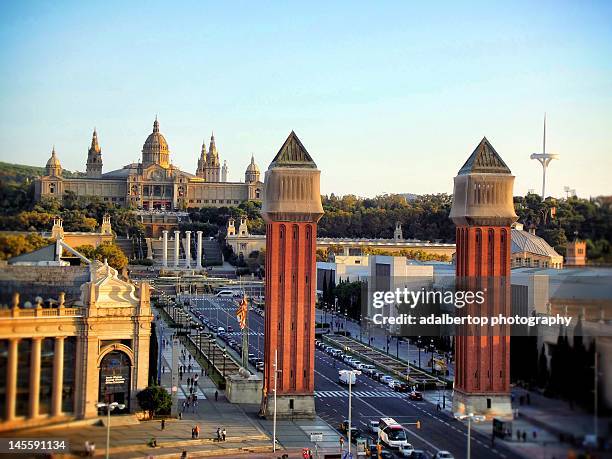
point(483, 192)
point(292, 185)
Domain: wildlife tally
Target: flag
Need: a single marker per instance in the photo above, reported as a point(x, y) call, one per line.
point(242, 311)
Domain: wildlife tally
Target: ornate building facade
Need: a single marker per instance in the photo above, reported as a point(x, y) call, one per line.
point(154, 183)
point(70, 337)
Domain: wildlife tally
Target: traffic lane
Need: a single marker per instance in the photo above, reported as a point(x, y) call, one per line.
point(334, 410)
point(221, 313)
point(437, 427)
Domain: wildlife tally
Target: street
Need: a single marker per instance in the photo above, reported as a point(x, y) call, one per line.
point(371, 399)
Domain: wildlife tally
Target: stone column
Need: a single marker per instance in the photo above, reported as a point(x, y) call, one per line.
point(199, 260)
point(188, 249)
point(35, 377)
point(11, 379)
point(177, 241)
point(165, 248)
point(58, 377)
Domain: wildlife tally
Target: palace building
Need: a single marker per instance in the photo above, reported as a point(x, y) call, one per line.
point(154, 183)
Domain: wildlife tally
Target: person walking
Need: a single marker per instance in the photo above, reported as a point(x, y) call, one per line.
point(223, 433)
point(216, 395)
point(163, 424)
point(218, 433)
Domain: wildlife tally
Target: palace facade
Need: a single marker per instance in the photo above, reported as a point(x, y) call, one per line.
point(154, 183)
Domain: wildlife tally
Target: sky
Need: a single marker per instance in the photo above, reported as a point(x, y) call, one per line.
point(387, 97)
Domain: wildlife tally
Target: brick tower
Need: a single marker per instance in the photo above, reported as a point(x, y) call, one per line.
point(483, 211)
point(291, 209)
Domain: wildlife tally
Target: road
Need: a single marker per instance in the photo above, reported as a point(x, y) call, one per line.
point(371, 399)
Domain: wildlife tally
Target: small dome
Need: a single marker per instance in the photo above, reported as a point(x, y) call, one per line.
point(53, 160)
point(252, 167)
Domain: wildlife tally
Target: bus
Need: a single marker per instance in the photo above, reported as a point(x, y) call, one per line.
point(391, 433)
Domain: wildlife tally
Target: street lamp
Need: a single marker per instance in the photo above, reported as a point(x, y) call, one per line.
point(212, 342)
point(351, 374)
point(224, 357)
point(471, 417)
point(109, 407)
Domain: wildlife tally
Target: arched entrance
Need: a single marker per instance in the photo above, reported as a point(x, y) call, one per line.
point(115, 376)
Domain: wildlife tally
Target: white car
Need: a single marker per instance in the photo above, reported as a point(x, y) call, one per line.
point(373, 426)
point(444, 455)
point(385, 379)
point(406, 450)
point(392, 384)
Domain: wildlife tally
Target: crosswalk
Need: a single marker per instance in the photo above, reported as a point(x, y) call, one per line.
point(239, 333)
point(359, 393)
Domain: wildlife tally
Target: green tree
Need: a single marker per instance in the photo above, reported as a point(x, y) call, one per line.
point(12, 245)
point(154, 400)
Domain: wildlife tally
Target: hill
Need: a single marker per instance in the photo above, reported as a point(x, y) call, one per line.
point(20, 173)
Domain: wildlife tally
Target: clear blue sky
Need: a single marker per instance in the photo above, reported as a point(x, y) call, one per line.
point(387, 97)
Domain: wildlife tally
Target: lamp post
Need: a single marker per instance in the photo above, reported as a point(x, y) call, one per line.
point(470, 418)
point(109, 407)
point(212, 343)
point(360, 326)
point(352, 373)
point(224, 357)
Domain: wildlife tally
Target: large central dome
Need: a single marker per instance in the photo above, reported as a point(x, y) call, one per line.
point(155, 148)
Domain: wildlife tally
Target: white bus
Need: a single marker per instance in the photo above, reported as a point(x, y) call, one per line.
point(391, 433)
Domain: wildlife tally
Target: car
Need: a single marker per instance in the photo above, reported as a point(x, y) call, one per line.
point(220, 330)
point(367, 368)
point(230, 328)
point(384, 454)
point(393, 384)
point(376, 375)
point(401, 387)
point(355, 363)
point(406, 450)
point(260, 366)
point(346, 358)
point(373, 425)
point(444, 455)
point(385, 379)
point(415, 395)
point(419, 454)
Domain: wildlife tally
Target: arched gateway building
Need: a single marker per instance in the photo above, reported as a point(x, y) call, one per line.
point(154, 183)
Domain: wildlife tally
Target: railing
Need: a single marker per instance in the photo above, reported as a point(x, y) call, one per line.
point(40, 312)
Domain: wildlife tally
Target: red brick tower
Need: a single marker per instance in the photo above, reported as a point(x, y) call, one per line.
point(483, 211)
point(291, 209)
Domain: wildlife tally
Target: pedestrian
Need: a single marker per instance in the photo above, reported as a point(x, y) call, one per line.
point(223, 433)
point(87, 448)
point(184, 454)
point(197, 431)
point(518, 435)
point(524, 436)
point(218, 433)
point(192, 433)
point(163, 424)
point(202, 371)
point(92, 449)
point(180, 416)
point(216, 395)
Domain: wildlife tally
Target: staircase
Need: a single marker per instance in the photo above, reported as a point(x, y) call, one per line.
point(157, 246)
point(212, 252)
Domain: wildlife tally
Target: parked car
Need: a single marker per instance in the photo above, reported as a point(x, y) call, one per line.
point(444, 455)
point(419, 454)
point(414, 395)
point(376, 375)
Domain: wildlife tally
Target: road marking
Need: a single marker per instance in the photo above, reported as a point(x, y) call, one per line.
point(382, 415)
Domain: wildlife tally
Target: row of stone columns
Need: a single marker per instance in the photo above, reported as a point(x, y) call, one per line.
point(177, 247)
point(34, 378)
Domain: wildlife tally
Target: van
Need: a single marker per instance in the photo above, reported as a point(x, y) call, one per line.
point(220, 330)
point(225, 294)
point(391, 433)
point(346, 377)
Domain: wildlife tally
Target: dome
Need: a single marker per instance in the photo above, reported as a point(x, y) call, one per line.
point(53, 165)
point(252, 167)
point(155, 148)
point(53, 160)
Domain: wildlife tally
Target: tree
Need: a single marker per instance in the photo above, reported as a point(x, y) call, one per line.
point(113, 254)
point(154, 400)
point(13, 245)
point(105, 251)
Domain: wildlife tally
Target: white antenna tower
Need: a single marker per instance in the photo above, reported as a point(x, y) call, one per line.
point(544, 159)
